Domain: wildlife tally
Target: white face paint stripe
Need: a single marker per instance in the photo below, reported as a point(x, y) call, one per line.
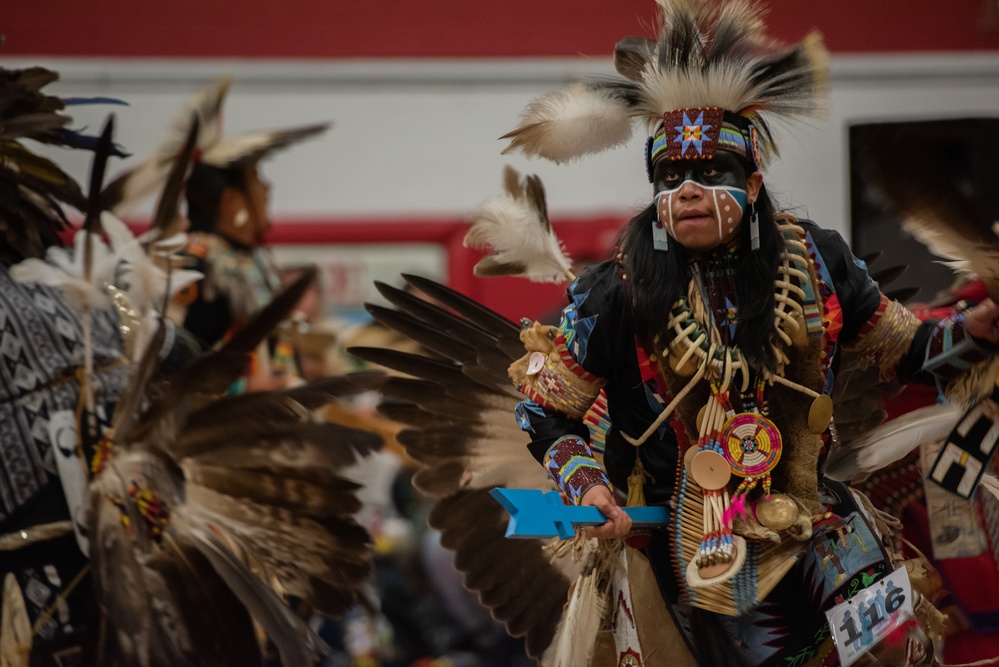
point(721, 232)
point(669, 205)
point(713, 189)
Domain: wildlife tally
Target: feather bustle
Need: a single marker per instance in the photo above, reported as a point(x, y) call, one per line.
point(192, 521)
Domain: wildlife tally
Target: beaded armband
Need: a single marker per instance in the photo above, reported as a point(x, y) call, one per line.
point(570, 463)
point(951, 351)
point(885, 338)
point(550, 376)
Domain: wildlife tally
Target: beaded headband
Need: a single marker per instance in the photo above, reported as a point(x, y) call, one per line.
point(697, 133)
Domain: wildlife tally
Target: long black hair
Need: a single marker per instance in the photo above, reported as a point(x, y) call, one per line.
point(204, 193)
point(656, 279)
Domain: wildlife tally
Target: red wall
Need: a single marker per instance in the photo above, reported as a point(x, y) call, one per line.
point(449, 28)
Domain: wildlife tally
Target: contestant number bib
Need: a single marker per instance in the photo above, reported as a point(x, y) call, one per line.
point(870, 615)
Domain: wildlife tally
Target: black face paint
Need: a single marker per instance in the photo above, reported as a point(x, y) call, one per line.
point(724, 170)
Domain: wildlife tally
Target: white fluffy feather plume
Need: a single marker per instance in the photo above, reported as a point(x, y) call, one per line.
point(64, 270)
point(515, 229)
point(891, 441)
point(145, 281)
point(563, 125)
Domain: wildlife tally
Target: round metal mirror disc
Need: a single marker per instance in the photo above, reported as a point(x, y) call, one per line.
point(820, 414)
point(777, 512)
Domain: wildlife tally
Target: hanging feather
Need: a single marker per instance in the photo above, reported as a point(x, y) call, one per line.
point(566, 124)
point(167, 219)
point(891, 441)
point(516, 231)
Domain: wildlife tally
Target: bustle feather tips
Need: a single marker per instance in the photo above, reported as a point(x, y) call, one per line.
point(707, 54)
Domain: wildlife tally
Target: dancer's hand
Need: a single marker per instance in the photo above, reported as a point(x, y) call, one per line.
point(618, 522)
point(982, 321)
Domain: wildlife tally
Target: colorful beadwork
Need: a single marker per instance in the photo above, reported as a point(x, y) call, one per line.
point(570, 464)
point(562, 384)
point(102, 453)
point(744, 585)
point(751, 444)
point(696, 133)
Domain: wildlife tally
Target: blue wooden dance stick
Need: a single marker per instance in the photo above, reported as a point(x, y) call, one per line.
point(536, 515)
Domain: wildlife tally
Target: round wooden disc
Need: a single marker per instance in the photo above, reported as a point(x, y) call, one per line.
point(710, 470)
point(820, 414)
point(778, 512)
point(688, 456)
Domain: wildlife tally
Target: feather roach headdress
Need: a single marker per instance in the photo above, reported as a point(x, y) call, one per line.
point(711, 81)
point(212, 149)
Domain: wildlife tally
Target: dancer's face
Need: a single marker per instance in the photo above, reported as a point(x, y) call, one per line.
point(701, 202)
point(258, 195)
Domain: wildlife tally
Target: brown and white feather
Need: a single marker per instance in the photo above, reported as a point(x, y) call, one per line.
point(515, 230)
point(205, 500)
